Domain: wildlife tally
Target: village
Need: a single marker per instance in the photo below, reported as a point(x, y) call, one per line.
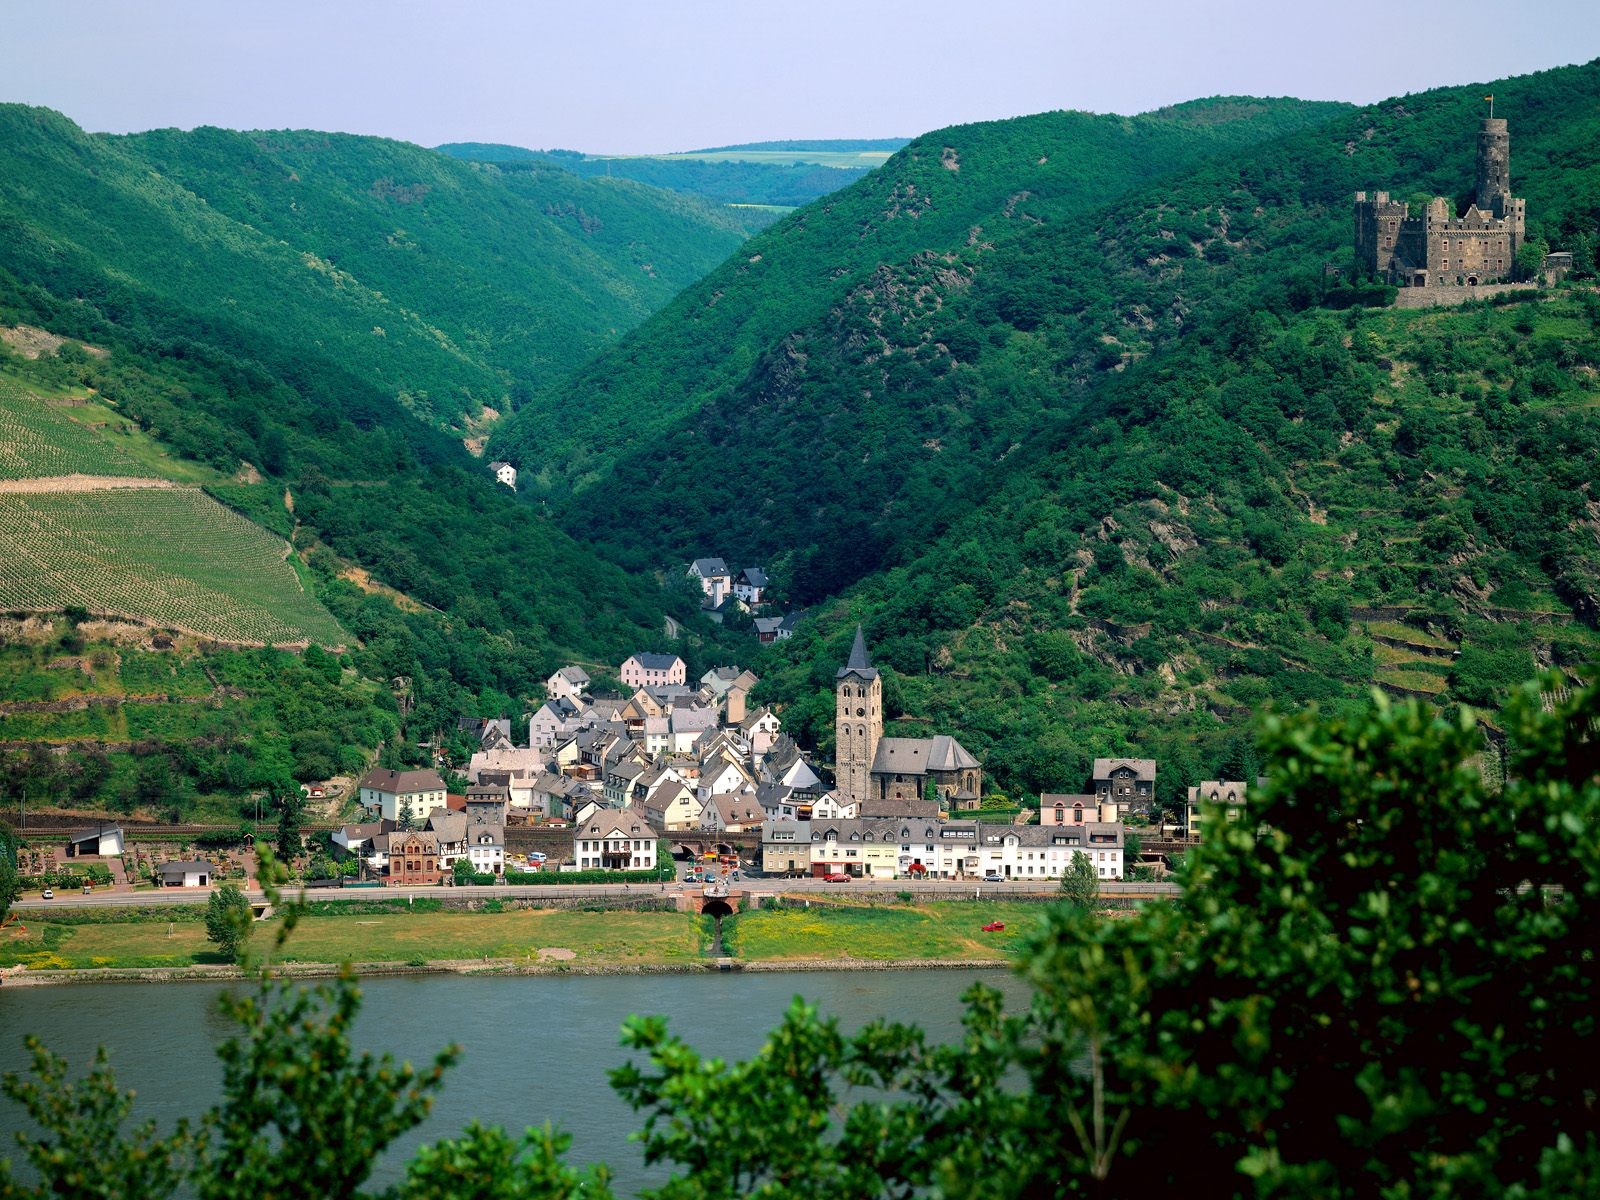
point(614, 787)
point(673, 764)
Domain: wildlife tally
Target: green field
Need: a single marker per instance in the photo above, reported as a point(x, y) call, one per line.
point(173, 557)
point(595, 938)
point(947, 930)
point(950, 931)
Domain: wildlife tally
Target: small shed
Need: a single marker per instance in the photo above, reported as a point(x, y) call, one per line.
point(186, 874)
point(104, 839)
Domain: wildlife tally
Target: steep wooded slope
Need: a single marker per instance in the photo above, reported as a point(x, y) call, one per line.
point(331, 311)
point(422, 274)
point(1261, 493)
point(882, 241)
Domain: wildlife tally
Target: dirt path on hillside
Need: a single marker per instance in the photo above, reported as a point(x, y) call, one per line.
point(81, 483)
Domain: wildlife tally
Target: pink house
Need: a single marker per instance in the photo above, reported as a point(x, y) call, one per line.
point(652, 670)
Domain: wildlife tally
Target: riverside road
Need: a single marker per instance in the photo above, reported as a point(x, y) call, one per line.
point(945, 889)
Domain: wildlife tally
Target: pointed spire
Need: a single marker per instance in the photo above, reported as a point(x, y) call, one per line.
point(858, 663)
point(858, 652)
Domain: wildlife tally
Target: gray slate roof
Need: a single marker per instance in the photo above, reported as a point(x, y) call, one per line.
point(707, 567)
point(918, 756)
point(1144, 769)
point(857, 663)
point(652, 661)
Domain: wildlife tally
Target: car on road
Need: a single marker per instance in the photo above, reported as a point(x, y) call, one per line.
point(836, 877)
point(537, 856)
point(47, 894)
point(87, 889)
point(994, 877)
point(994, 926)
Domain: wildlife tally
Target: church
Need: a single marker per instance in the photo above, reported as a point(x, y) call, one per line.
point(872, 769)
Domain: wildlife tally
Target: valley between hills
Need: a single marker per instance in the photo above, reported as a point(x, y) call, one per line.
point(1083, 417)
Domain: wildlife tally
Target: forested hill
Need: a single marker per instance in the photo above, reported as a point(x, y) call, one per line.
point(1240, 488)
point(451, 283)
point(833, 427)
point(942, 201)
point(329, 312)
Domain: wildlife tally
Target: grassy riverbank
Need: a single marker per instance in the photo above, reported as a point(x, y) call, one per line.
point(578, 939)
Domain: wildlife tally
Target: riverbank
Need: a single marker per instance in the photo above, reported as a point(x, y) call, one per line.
point(219, 973)
point(100, 947)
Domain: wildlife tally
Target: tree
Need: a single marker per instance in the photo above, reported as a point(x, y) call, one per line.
point(228, 919)
point(83, 1148)
point(10, 879)
point(408, 817)
point(462, 872)
point(1379, 982)
point(291, 805)
point(1080, 885)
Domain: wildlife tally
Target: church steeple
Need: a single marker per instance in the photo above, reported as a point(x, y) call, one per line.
point(857, 721)
point(858, 664)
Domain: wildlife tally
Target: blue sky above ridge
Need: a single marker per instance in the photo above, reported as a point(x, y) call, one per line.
point(630, 76)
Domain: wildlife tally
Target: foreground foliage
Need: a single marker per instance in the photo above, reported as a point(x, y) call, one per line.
point(1378, 984)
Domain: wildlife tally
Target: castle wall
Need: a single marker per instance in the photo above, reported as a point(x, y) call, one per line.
point(1442, 297)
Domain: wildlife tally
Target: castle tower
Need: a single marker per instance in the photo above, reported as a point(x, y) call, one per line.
point(1494, 166)
point(857, 721)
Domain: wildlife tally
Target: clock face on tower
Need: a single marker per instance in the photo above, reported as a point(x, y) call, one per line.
point(861, 712)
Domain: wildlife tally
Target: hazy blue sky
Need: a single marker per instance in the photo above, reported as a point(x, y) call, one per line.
point(650, 75)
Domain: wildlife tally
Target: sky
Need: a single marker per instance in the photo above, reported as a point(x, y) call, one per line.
point(643, 76)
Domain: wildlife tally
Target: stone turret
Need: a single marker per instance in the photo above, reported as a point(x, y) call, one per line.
point(1494, 166)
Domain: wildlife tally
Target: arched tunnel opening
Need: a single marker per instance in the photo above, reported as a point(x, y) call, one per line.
point(716, 910)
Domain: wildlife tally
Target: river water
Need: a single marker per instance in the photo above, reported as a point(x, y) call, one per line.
point(535, 1048)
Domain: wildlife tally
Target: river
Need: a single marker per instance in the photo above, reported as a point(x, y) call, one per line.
point(535, 1048)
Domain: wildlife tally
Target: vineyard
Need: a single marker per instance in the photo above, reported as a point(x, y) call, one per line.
point(172, 557)
point(39, 440)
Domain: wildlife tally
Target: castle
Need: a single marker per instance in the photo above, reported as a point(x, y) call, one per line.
point(874, 771)
point(1437, 249)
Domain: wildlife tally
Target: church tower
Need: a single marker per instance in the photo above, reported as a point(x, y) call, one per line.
point(857, 722)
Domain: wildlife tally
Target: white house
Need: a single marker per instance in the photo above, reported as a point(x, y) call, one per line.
point(712, 576)
point(505, 473)
point(652, 670)
point(186, 874)
point(833, 806)
point(510, 766)
point(568, 683)
point(761, 729)
point(557, 718)
point(486, 849)
point(750, 585)
point(617, 839)
point(416, 793)
point(104, 839)
point(450, 828)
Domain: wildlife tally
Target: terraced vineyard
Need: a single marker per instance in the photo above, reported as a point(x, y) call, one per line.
point(172, 557)
point(39, 439)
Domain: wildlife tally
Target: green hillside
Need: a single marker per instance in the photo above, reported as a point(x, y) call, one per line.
point(397, 261)
point(855, 266)
point(183, 732)
point(307, 325)
point(1247, 488)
